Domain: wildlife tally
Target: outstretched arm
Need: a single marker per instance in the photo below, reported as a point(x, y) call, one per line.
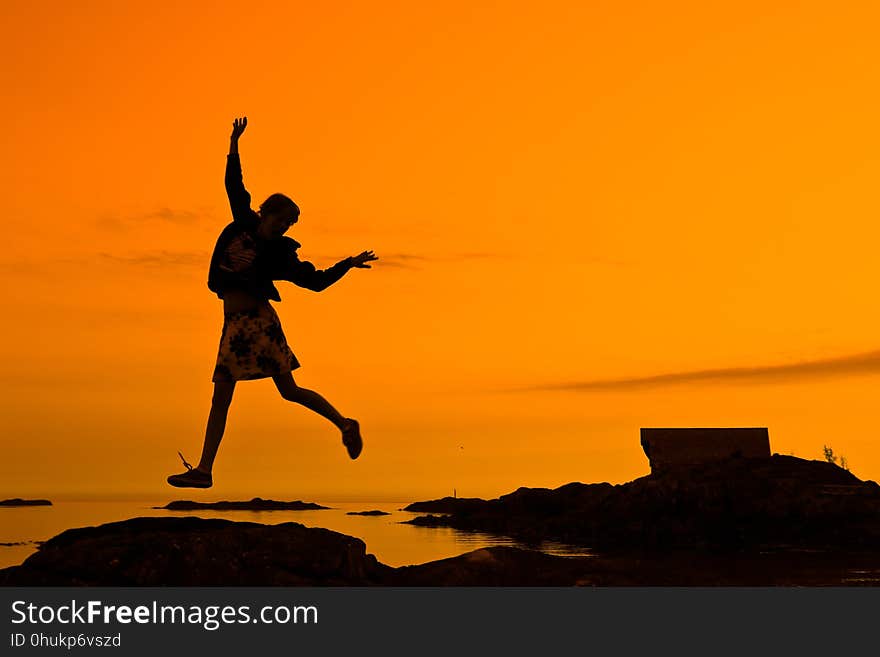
point(306, 275)
point(239, 198)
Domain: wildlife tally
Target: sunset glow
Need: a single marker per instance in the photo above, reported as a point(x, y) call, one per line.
point(559, 194)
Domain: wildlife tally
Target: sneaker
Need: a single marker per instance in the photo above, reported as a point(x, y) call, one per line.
point(192, 478)
point(351, 438)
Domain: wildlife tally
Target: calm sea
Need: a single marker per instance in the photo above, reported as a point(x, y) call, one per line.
point(393, 543)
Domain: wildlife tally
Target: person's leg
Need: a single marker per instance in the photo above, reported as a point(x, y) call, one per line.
point(200, 476)
point(216, 423)
point(351, 432)
point(308, 398)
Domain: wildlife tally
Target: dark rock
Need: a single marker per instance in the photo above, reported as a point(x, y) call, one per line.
point(198, 552)
point(494, 566)
point(17, 501)
point(256, 504)
point(374, 512)
point(429, 520)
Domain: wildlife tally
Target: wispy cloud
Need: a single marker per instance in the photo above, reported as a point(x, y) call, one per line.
point(162, 215)
point(174, 216)
point(419, 261)
point(411, 260)
point(862, 363)
point(160, 259)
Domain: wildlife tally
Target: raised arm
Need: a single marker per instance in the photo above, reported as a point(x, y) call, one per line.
point(239, 198)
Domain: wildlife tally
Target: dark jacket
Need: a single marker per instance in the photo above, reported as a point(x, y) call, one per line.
point(242, 260)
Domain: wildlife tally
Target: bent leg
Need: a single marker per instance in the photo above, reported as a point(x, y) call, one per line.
point(308, 398)
point(216, 423)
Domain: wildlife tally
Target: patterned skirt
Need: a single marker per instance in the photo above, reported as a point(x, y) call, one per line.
point(253, 346)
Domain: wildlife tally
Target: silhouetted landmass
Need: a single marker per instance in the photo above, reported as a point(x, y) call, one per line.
point(17, 501)
point(742, 521)
point(374, 512)
point(256, 504)
point(732, 505)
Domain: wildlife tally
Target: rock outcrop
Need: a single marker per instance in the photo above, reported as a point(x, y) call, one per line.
point(198, 552)
point(731, 505)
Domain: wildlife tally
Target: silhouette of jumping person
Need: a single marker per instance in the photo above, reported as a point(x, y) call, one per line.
point(250, 254)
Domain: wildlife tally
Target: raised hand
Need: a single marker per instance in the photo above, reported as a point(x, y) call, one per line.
point(361, 259)
point(238, 126)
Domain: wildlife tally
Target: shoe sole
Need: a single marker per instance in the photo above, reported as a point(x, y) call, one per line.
point(180, 484)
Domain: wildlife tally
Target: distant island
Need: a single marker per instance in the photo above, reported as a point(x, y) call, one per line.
point(374, 512)
point(445, 505)
point(17, 501)
point(256, 504)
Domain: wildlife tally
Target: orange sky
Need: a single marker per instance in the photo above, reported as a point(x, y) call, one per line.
point(560, 193)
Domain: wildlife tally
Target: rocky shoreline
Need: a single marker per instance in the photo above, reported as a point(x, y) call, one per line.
point(775, 521)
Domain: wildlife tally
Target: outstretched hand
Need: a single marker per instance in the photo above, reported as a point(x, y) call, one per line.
point(238, 127)
point(361, 259)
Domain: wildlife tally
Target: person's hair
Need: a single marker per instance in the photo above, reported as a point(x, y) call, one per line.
point(278, 203)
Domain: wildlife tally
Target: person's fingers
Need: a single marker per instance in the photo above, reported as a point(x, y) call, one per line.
point(362, 258)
